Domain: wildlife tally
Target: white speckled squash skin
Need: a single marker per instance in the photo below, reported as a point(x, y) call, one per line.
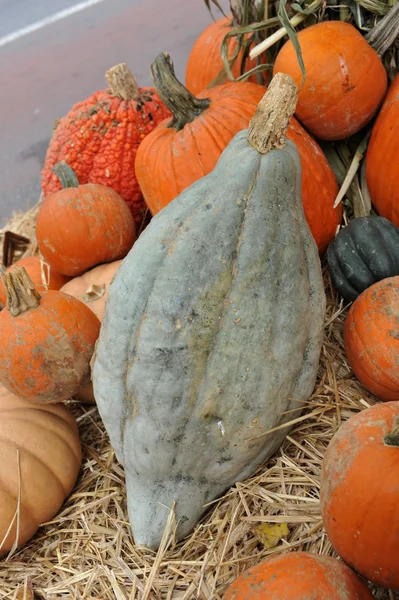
point(213, 328)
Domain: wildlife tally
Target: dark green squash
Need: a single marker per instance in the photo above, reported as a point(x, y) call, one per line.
point(213, 328)
point(363, 252)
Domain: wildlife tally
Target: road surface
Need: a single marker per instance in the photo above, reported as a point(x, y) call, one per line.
point(54, 53)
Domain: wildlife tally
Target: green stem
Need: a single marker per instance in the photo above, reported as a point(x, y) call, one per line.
point(392, 439)
point(66, 175)
point(183, 105)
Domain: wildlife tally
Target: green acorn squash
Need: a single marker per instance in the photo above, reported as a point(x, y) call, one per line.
point(362, 253)
point(213, 329)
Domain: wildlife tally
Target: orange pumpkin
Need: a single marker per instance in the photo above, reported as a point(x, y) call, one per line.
point(179, 152)
point(345, 79)
point(205, 61)
point(371, 338)
point(40, 273)
point(83, 225)
point(299, 576)
point(360, 493)
point(40, 460)
point(46, 341)
point(383, 155)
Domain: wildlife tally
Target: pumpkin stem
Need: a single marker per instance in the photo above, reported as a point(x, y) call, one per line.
point(66, 175)
point(183, 105)
point(122, 82)
point(21, 292)
point(392, 439)
point(269, 124)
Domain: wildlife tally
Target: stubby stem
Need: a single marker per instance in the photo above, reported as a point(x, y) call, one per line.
point(268, 126)
point(66, 175)
point(392, 439)
point(122, 82)
point(21, 292)
point(183, 105)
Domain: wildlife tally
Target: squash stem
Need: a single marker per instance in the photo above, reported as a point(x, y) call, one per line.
point(392, 439)
point(21, 292)
point(268, 126)
point(122, 82)
point(66, 175)
point(183, 105)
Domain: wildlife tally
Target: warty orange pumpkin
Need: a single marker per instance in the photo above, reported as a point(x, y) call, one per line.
point(46, 341)
point(360, 493)
point(99, 137)
point(371, 338)
point(382, 157)
point(82, 226)
point(182, 150)
point(40, 461)
point(345, 79)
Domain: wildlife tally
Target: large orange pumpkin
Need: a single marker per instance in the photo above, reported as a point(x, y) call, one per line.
point(299, 576)
point(40, 461)
point(184, 149)
point(371, 337)
point(40, 273)
point(345, 79)
point(99, 137)
point(360, 493)
point(46, 341)
point(82, 226)
point(383, 157)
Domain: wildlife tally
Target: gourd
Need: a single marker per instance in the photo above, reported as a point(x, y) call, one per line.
point(46, 341)
point(382, 157)
point(40, 461)
point(362, 253)
point(345, 79)
point(99, 137)
point(213, 328)
point(371, 338)
point(92, 287)
point(180, 151)
point(360, 493)
point(82, 226)
point(298, 576)
point(205, 63)
point(40, 273)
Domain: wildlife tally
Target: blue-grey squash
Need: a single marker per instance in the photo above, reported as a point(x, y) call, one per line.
point(213, 328)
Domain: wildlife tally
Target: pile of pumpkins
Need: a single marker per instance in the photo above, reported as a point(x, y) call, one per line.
point(128, 150)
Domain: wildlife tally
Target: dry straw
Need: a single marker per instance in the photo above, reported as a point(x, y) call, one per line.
point(87, 552)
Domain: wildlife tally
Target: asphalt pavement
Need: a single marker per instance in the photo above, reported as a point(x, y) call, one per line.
point(54, 53)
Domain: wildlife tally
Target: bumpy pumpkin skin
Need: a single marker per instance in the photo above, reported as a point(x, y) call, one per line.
point(345, 79)
point(299, 576)
point(99, 138)
point(382, 157)
point(205, 345)
point(360, 493)
point(371, 338)
point(169, 161)
point(205, 61)
point(45, 441)
point(33, 265)
point(363, 252)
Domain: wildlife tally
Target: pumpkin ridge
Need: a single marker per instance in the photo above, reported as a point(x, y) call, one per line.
point(212, 132)
point(22, 510)
point(189, 128)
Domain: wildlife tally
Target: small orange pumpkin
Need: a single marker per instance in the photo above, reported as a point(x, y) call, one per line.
point(371, 338)
point(82, 226)
point(345, 79)
point(299, 576)
point(40, 273)
point(360, 493)
point(46, 341)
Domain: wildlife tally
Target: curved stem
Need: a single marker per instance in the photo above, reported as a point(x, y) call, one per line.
point(122, 82)
point(66, 175)
point(21, 292)
point(183, 105)
point(392, 439)
point(269, 124)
